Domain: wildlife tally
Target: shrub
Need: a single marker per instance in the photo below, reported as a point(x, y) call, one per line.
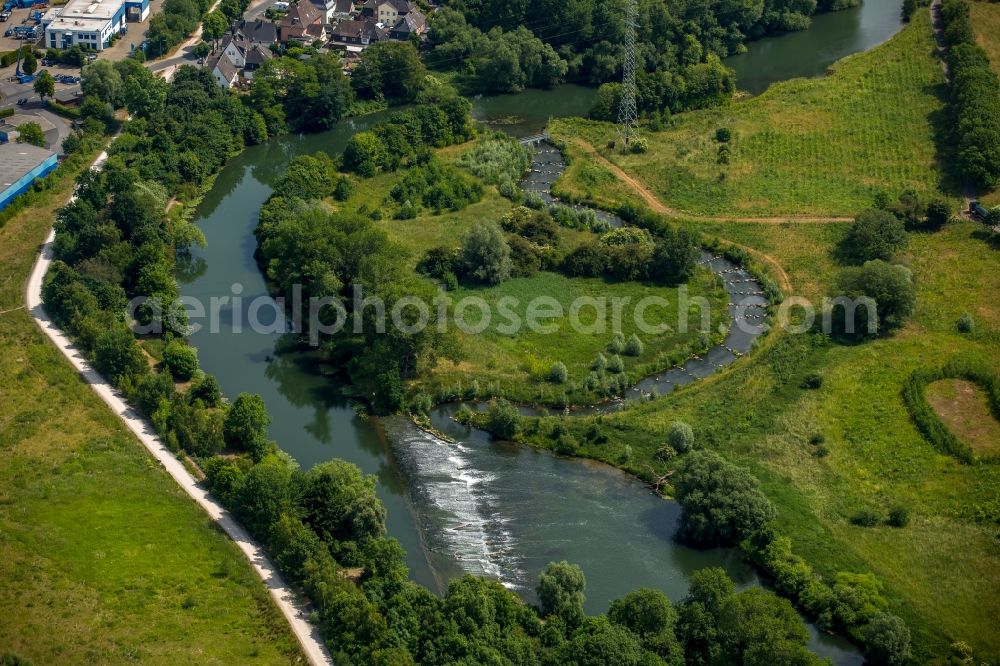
point(634, 346)
point(938, 214)
point(600, 363)
point(485, 253)
point(866, 518)
point(343, 189)
point(680, 436)
point(965, 323)
point(504, 421)
point(181, 360)
point(567, 444)
point(616, 364)
point(558, 373)
point(812, 381)
point(723, 135)
point(899, 516)
point(817, 438)
point(617, 344)
point(887, 640)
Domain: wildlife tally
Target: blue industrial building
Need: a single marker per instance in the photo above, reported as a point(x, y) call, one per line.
point(21, 164)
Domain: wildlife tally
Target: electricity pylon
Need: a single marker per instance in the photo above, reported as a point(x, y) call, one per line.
point(628, 117)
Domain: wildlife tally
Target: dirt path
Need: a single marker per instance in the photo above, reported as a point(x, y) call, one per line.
point(658, 206)
point(655, 204)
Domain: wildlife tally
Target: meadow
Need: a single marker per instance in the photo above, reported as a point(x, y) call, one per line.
point(104, 559)
point(805, 147)
point(520, 363)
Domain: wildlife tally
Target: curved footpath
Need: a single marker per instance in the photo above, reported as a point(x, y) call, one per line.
point(287, 601)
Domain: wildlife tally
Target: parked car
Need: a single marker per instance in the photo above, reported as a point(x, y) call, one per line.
point(978, 211)
point(4, 16)
point(22, 101)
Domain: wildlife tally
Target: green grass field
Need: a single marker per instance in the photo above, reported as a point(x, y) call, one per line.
point(804, 147)
point(103, 558)
point(520, 363)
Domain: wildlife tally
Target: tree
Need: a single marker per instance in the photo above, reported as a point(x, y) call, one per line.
point(558, 373)
point(246, 424)
point(486, 254)
point(202, 49)
point(339, 502)
point(634, 346)
point(649, 615)
point(143, 96)
point(561, 592)
point(759, 628)
point(365, 154)
point(45, 85)
point(938, 214)
point(29, 63)
point(887, 640)
point(214, 25)
point(264, 495)
point(601, 643)
point(875, 234)
point(892, 293)
point(392, 70)
point(102, 79)
point(31, 133)
point(674, 256)
point(116, 355)
point(722, 503)
point(680, 437)
point(181, 360)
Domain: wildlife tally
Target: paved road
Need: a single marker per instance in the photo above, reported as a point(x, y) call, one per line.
point(290, 605)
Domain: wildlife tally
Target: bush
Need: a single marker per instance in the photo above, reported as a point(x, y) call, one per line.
point(503, 419)
point(817, 438)
point(680, 436)
point(181, 360)
point(617, 344)
point(723, 135)
point(866, 518)
point(558, 373)
point(485, 253)
point(899, 516)
point(634, 346)
point(887, 640)
point(813, 380)
point(938, 214)
point(616, 364)
point(965, 323)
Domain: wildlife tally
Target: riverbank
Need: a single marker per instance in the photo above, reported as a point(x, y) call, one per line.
point(92, 525)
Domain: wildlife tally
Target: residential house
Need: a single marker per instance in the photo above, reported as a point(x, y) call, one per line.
point(258, 31)
point(387, 12)
point(256, 56)
point(355, 36)
point(414, 24)
point(335, 11)
point(225, 71)
point(302, 23)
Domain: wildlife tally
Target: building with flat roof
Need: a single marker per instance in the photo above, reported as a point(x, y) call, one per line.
point(91, 23)
point(21, 164)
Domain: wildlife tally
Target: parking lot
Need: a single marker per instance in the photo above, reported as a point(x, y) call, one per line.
point(18, 18)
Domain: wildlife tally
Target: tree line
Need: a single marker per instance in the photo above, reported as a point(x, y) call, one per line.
point(974, 100)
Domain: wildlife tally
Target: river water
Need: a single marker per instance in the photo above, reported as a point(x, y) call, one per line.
point(471, 505)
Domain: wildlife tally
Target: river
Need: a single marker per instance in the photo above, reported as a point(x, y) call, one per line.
point(473, 505)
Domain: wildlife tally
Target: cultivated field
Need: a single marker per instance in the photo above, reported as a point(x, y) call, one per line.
point(103, 558)
point(804, 147)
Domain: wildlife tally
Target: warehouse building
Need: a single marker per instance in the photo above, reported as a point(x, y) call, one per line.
point(91, 23)
point(21, 164)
